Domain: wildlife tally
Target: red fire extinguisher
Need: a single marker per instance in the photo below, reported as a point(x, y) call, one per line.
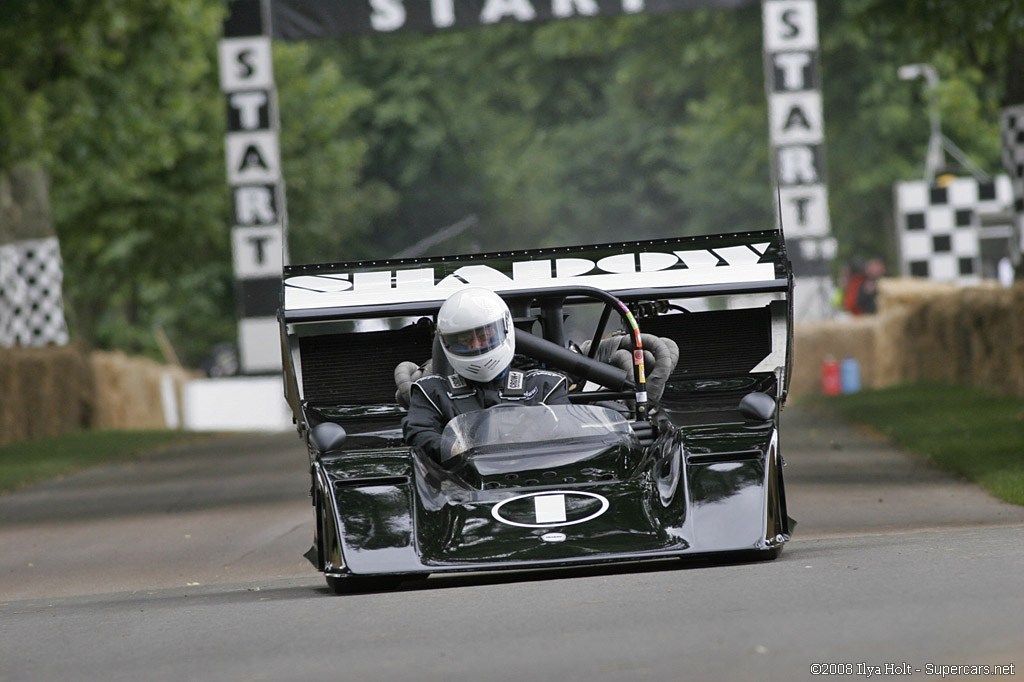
point(831, 384)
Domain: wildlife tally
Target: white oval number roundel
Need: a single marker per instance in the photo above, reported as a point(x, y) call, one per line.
point(550, 509)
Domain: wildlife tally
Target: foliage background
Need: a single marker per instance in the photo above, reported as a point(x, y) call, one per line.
point(570, 132)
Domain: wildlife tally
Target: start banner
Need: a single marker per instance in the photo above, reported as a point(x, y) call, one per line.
point(303, 19)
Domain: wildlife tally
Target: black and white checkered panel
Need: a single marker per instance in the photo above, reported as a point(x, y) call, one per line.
point(1012, 126)
point(31, 302)
point(940, 229)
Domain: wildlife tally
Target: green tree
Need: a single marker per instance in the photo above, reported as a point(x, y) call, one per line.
point(139, 193)
point(567, 132)
point(120, 102)
point(876, 125)
point(331, 200)
point(987, 34)
point(416, 129)
point(592, 130)
point(604, 129)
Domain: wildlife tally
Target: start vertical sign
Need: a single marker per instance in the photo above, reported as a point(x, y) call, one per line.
point(253, 159)
point(797, 139)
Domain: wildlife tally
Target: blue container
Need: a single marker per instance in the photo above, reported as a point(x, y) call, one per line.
point(849, 375)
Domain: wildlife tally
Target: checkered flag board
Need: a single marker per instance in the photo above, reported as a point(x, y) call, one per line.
point(31, 302)
point(940, 228)
point(1012, 125)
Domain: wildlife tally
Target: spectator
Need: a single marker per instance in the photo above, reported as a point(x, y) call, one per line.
point(861, 291)
point(867, 297)
point(854, 282)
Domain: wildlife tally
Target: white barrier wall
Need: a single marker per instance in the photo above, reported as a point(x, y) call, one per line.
point(235, 404)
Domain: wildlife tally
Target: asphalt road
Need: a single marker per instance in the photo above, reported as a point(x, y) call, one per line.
point(187, 566)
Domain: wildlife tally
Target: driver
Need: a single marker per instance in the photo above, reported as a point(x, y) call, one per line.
point(478, 339)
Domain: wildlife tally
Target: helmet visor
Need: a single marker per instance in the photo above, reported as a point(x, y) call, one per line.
point(475, 341)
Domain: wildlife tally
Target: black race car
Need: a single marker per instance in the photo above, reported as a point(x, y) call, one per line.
point(677, 352)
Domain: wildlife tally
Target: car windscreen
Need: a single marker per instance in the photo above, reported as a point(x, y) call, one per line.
point(510, 427)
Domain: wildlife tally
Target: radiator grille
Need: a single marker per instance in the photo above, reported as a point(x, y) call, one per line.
point(717, 343)
point(359, 368)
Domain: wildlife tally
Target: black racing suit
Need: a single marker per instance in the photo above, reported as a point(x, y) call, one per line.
point(434, 400)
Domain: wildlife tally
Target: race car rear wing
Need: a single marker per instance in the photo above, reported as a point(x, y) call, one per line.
point(682, 267)
point(329, 313)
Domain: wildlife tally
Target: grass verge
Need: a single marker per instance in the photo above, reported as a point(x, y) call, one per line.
point(27, 462)
point(961, 429)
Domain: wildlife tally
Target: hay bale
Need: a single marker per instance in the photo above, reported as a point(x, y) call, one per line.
point(814, 343)
point(128, 391)
point(1015, 312)
point(57, 389)
point(940, 332)
point(986, 334)
point(895, 292)
point(46, 392)
point(936, 339)
point(893, 354)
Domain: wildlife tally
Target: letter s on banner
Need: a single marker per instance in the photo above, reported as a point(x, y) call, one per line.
point(387, 15)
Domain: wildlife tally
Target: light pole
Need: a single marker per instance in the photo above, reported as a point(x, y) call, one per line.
point(936, 158)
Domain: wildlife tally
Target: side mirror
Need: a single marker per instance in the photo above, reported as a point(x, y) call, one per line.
point(757, 407)
point(327, 436)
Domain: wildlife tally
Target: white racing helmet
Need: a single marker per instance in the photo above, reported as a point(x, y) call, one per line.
point(475, 327)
